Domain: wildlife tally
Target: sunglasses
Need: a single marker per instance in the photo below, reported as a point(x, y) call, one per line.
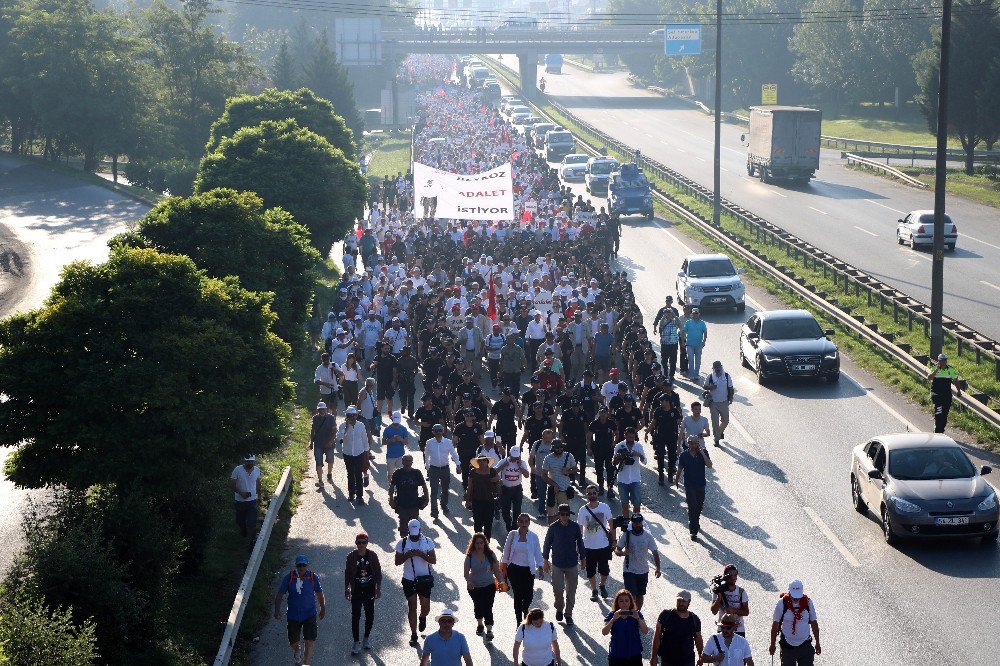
point(446, 620)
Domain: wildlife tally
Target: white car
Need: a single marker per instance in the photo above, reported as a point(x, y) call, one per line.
point(917, 228)
point(518, 117)
point(573, 167)
point(711, 280)
point(511, 110)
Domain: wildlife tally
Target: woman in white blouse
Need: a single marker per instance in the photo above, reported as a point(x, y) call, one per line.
point(535, 641)
point(522, 555)
point(352, 375)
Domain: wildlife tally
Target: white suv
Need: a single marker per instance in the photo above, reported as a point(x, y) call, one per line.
point(711, 280)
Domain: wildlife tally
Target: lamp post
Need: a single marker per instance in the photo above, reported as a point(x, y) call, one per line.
point(717, 165)
point(940, 184)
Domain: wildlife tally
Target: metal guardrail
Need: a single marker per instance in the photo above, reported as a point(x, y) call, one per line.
point(883, 168)
point(851, 280)
point(225, 652)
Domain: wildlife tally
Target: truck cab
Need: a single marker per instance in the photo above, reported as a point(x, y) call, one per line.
point(553, 63)
point(629, 192)
point(558, 144)
point(599, 170)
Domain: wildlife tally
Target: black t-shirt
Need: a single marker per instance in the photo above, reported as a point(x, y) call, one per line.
point(364, 573)
point(677, 636)
point(430, 415)
point(534, 427)
point(383, 371)
point(528, 398)
point(564, 401)
point(666, 422)
point(604, 433)
point(575, 427)
point(588, 396)
point(467, 437)
point(505, 413)
point(408, 483)
point(628, 418)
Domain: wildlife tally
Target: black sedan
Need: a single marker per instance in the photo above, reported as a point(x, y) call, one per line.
point(788, 343)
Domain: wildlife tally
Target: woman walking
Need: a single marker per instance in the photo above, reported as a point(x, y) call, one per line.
point(522, 559)
point(536, 642)
point(367, 404)
point(352, 379)
point(482, 573)
point(362, 586)
point(481, 495)
point(626, 626)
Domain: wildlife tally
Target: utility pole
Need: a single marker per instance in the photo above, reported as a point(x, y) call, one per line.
point(717, 167)
point(940, 183)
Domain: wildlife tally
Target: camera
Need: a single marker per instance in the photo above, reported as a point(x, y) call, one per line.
point(718, 584)
point(620, 522)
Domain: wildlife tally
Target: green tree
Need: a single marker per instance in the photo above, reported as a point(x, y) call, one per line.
point(303, 106)
point(136, 373)
point(31, 632)
point(283, 70)
point(230, 233)
point(325, 76)
point(975, 49)
point(292, 168)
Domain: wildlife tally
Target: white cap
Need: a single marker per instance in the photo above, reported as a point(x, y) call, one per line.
point(515, 452)
point(413, 527)
point(352, 410)
point(397, 416)
point(321, 405)
point(249, 458)
point(795, 589)
point(489, 433)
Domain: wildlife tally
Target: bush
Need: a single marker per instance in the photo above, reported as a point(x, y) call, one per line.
point(31, 633)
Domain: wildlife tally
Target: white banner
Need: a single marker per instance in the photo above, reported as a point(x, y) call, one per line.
point(482, 196)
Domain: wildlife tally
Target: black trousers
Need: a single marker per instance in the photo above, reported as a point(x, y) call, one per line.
point(465, 457)
point(665, 450)
point(512, 380)
point(407, 389)
point(355, 483)
point(669, 359)
point(482, 603)
point(361, 600)
point(603, 465)
point(941, 410)
point(482, 517)
point(510, 505)
point(522, 586)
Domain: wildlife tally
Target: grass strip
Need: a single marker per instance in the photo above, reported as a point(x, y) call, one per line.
point(978, 187)
point(390, 154)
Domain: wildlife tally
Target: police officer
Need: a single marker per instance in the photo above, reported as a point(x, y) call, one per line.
point(941, 377)
point(663, 425)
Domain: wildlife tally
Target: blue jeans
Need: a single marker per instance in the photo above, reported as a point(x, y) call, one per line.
point(694, 360)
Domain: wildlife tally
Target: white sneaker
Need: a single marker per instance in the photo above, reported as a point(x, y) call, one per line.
point(357, 648)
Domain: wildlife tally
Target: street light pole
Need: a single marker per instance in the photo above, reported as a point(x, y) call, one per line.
point(717, 166)
point(940, 184)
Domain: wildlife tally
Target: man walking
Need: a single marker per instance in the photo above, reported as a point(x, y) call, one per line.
point(732, 600)
point(325, 378)
point(669, 340)
point(437, 451)
point(635, 546)
point(678, 635)
point(512, 362)
point(942, 377)
point(446, 647)
point(321, 438)
point(405, 496)
point(470, 341)
point(794, 616)
point(663, 425)
point(727, 647)
point(304, 590)
point(598, 537)
point(629, 457)
point(691, 465)
point(415, 553)
point(564, 542)
point(696, 335)
point(719, 386)
point(355, 444)
point(557, 468)
point(245, 484)
point(512, 470)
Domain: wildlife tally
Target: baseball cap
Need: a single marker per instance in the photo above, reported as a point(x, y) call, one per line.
point(437, 427)
point(489, 433)
point(942, 357)
point(301, 559)
point(321, 405)
point(684, 594)
point(515, 452)
point(636, 518)
point(352, 410)
point(249, 458)
point(614, 372)
point(361, 535)
point(413, 527)
point(795, 589)
point(397, 416)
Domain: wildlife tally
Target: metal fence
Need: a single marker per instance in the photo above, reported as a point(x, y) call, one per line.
point(882, 168)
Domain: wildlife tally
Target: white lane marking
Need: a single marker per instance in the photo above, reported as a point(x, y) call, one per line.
point(865, 231)
point(664, 142)
point(680, 150)
point(831, 537)
point(700, 159)
point(822, 212)
point(981, 241)
point(650, 135)
point(990, 284)
point(882, 403)
point(884, 206)
point(743, 431)
point(783, 196)
point(724, 169)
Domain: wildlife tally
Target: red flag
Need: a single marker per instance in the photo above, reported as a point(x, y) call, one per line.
point(360, 232)
point(492, 311)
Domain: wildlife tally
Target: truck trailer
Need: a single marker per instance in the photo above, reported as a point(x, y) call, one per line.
point(784, 143)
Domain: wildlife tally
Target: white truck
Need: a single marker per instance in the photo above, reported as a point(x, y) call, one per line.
point(784, 143)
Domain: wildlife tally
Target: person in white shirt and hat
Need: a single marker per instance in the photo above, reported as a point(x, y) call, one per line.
point(245, 484)
point(355, 443)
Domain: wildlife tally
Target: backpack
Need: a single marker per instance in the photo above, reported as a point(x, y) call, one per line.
point(787, 606)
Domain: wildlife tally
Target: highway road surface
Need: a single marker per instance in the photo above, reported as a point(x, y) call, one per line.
point(779, 507)
point(48, 220)
point(847, 213)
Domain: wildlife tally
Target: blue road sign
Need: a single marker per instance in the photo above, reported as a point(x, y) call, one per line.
point(682, 39)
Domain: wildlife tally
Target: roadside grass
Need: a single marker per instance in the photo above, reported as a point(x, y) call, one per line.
point(978, 187)
point(145, 196)
point(868, 357)
point(208, 596)
point(908, 130)
point(390, 154)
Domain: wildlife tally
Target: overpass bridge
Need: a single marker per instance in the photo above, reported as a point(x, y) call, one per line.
point(527, 45)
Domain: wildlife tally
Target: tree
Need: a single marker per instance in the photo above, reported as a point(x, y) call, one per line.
point(283, 73)
point(230, 233)
point(292, 168)
point(137, 372)
point(33, 633)
point(325, 76)
point(303, 106)
point(975, 48)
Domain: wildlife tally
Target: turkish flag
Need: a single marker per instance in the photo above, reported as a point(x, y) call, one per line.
point(492, 310)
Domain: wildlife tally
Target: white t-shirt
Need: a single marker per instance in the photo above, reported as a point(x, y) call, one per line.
point(631, 473)
point(786, 617)
point(536, 643)
point(510, 471)
point(736, 652)
point(609, 390)
point(736, 599)
point(415, 566)
point(245, 482)
point(594, 536)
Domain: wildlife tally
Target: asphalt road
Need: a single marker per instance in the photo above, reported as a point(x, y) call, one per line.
point(778, 506)
point(47, 220)
point(850, 214)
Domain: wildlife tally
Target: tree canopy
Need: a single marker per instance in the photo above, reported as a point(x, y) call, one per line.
point(302, 105)
point(230, 233)
point(143, 355)
point(292, 168)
